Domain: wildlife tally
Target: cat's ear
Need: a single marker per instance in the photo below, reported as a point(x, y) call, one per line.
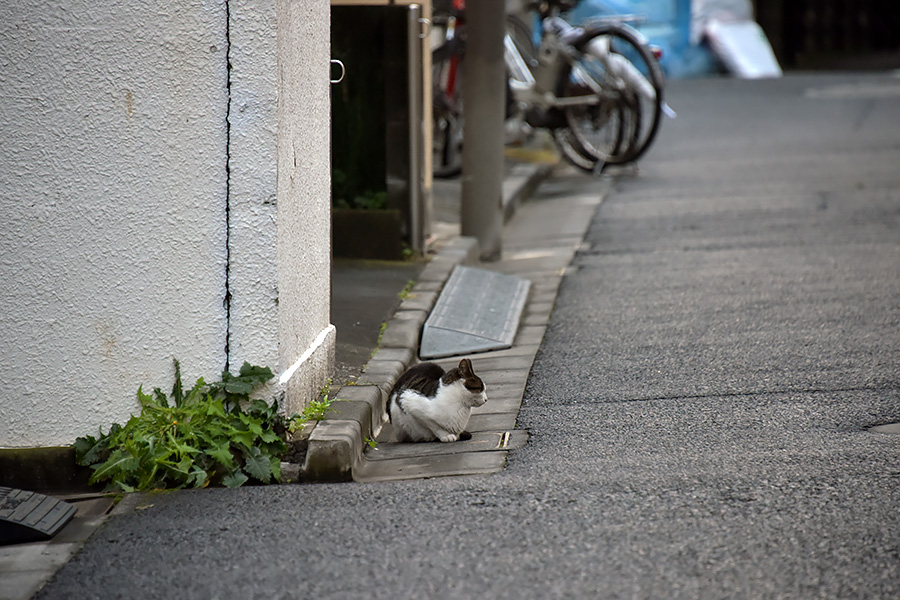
point(465, 367)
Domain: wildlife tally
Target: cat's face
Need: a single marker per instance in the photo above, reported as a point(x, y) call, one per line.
point(479, 397)
point(472, 382)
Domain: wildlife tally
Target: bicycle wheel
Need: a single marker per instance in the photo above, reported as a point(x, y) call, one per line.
point(615, 62)
point(593, 135)
point(572, 150)
point(447, 111)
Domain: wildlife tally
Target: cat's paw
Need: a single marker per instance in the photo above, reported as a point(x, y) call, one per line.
point(448, 437)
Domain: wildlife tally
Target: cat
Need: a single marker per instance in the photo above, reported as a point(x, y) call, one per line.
point(428, 404)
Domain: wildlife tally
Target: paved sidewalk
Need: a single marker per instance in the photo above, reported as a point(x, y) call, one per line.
point(24, 568)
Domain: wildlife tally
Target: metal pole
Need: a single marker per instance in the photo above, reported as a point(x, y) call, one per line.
point(414, 52)
point(483, 98)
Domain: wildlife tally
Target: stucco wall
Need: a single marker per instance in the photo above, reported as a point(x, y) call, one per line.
point(253, 277)
point(304, 197)
point(112, 189)
point(280, 192)
point(115, 189)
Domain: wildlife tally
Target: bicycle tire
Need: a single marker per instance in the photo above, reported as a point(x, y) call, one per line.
point(646, 112)
point(608, 125)
point(572, 150)
point(641, 112)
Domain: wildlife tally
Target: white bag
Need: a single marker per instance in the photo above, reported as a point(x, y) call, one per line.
point(743, 48)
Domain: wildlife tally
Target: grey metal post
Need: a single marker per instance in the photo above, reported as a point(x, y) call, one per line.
point(414, 52)
point(483, 98)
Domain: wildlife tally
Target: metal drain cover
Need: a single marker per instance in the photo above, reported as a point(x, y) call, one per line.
point(478, 310)
point(30, 517)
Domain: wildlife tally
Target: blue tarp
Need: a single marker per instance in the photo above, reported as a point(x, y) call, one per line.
point(666, 23)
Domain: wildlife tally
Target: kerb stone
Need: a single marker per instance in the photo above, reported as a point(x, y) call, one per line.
point(335, 446)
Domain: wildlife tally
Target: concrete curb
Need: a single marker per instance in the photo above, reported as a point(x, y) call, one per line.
point(520, 184)
point(337, 443)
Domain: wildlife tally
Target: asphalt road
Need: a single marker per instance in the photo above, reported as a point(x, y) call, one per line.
point(698, 410)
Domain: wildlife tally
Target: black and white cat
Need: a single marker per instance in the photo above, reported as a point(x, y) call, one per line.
point(428, 404)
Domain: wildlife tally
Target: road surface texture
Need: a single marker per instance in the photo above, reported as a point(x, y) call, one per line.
point(699, 408)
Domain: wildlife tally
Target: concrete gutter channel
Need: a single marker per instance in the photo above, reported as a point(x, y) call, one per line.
point(338, 446)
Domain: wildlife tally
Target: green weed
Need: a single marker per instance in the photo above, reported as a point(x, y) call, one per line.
point(314, 411)
point(407, 289)
point(213, 434)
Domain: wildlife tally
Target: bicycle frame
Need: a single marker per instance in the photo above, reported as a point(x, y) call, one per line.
point(455, 25)
point(525, 84)
point(560, 39)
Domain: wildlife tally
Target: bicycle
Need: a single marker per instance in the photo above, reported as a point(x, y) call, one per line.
point(581, 84)
point(446, 65)
point(446, 73)
point(620, 66)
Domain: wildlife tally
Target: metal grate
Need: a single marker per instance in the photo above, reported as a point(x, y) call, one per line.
point(30, 517)
point(478, 310)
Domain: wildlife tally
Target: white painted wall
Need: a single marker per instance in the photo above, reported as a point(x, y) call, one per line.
point(253, 278)
point(113, 193)
point(306, 338)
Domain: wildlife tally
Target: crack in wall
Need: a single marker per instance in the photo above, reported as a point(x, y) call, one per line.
point(226, 301)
